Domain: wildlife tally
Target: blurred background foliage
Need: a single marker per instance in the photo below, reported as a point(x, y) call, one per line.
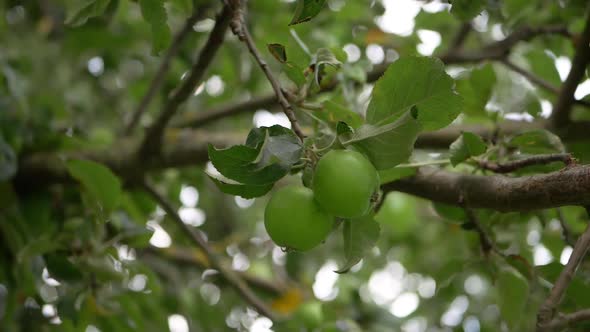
point(72, 71)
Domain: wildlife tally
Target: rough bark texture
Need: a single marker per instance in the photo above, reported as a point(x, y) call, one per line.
point(570, 186)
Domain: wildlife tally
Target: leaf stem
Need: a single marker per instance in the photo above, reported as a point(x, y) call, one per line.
point(300, 42)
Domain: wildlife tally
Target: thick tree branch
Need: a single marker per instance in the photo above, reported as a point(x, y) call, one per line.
point(240, 29)
point(228, 274)
point(163, 69)
point(513, 165)
point(153, 140)
point(181, 148)
point(187, 147)
point(555, 296)
point(570, 186)
point(565, 100)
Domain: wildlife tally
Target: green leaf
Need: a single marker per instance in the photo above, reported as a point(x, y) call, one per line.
point(154, 13)
point(137, 238)
point(577, 293)
point(306, 10)
point(516, 7)
point(467, 9)
point(89, 9)
point(355, 73)
point(8, 161)
point(277, 144)
point(387, 145)
point(36, 211)
point(103, 268)
point(267, 156)
point(512, 294)
point(278, 52)
point(237, 189)
point(538, 141)
point(477, 89)
point(324, 56)
point(360, 235)
point(522, 265)
point(466, 146)
point(449, 212)
point(138, 205)
point(250, 170)
point(184, 6)
point(294, 73)
point(415, 81)
point(38, 246)
point(342, 128)
point(579, 149)
point(238, 163)
point(61, 268)
point(534, 107)
point(333, 112)
point(98, 180)
point(441, 21)
point(543, 65)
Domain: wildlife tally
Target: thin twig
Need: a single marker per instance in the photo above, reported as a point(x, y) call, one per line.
point(526, 33)
point(163, 70)
point(514, 165)
point(486, 242)
point(565, 101)
point(499, 51)
point(564, 320)
point(199, 119)
point(565, 229)
point(530, 76)
point(461, 36)
point(152, 140)
point(539, 81)
point(555, 296)
point(240, 286)
point(240, 29)
point(186, 257)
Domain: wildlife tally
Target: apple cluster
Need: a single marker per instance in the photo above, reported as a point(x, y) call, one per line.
point(344, 184)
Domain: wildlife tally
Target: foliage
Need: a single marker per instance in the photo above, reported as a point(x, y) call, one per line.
point(87, 243)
